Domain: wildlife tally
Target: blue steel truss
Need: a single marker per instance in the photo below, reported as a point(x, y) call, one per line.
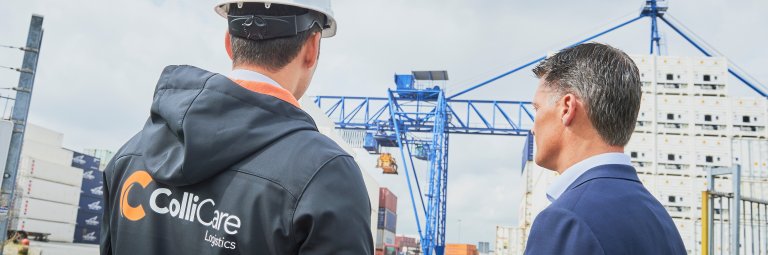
point(487, 117)
point(430, 111)
point(434, 234)
point(406, 111)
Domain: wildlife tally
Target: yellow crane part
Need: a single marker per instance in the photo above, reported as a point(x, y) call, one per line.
point(387, 163)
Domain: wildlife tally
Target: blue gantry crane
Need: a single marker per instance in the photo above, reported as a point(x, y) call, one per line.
point(416, 105)
point(417, 117)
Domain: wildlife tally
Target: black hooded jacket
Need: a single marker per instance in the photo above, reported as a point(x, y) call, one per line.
point(220, 169)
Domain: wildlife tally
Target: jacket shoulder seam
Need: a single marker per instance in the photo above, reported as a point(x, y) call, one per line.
point(118, 158)
point(184, 116)
point(318, 170)
point(298, 200)
point(240, 170)
point(115, 160)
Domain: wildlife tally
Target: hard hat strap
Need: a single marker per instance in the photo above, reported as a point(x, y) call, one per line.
point(260, 27)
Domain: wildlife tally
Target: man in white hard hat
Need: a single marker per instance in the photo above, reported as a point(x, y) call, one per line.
point(229, 164)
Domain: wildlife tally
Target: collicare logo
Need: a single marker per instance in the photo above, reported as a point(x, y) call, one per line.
point(133, 213)
point(189, 208)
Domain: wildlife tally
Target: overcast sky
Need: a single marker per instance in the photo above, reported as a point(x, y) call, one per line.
point(100, 61)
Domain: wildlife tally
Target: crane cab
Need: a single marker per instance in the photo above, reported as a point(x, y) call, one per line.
point(422, 152)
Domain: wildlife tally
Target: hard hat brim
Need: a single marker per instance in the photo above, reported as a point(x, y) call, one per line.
point(223, 7)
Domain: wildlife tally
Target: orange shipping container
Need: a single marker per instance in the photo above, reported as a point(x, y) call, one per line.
point(461, 249)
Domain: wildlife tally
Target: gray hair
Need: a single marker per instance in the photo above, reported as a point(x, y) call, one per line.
point(605, 79)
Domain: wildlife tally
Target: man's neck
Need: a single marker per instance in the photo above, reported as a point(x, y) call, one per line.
point(576, 152)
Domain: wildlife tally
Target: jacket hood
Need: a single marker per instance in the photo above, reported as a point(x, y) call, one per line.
point(202, 123)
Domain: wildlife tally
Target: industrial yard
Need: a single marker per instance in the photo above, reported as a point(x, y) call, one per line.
point(438, 122)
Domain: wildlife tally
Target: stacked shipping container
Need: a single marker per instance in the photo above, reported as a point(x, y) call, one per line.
point(687, 124)
point(89, 215)
point(508, 240)
point(47, 187)
point(407, 245)
point(387, 222)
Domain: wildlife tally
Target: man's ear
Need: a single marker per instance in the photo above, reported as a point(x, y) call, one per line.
point(312, 50)
point(228, 44)
point(568, 108)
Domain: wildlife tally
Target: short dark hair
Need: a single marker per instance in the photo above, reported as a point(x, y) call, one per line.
point(605, 79)
point(272, 54)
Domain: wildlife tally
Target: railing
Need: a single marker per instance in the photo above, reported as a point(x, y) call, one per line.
point(720, 233)
point(752, 230)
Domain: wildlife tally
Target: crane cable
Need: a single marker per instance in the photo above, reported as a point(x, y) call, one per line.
point(17, 47)
point(708, 46)
point(465, 83)
point(16, 69)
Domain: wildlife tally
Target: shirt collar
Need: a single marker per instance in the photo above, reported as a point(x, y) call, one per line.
point(248, 75)
point(572, 173)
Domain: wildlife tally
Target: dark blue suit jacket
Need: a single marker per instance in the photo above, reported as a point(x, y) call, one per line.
point(605, 211)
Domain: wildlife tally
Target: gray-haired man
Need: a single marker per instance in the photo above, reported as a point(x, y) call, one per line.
point(586, 109)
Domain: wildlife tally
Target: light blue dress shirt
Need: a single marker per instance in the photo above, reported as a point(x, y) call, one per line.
point(572, 173)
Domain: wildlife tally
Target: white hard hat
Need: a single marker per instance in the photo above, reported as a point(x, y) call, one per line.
point(321, 6)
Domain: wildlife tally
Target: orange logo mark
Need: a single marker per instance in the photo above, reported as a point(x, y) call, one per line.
point(133, 213)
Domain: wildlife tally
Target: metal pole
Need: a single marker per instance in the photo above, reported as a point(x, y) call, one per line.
point(735, 211)
point(705, 222)
point(654, 28)
point(19, 119)
point(425, 243)
point(415, 178)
